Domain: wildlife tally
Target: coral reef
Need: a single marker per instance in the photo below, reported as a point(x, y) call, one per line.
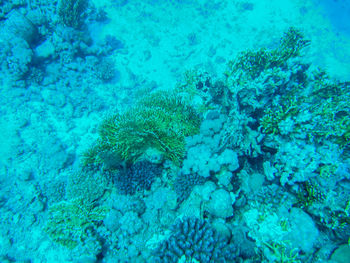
point(105, 70)
point(253, 63)
point(158, 121)
point(71, 12)
point(317, 108)
point(220, 204)
point(184, 184)
point(89, 185)
point(138, 177)
point(194, 239)
point(71, 223)
point(262, 176)
point(204, 155)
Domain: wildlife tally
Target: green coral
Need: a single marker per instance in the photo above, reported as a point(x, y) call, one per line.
point(90, 186)
point(326, 101)
point(292, 44)
point(253, 63)
point(272, 118)
point(327, 170)
point(158, 121)
point(91, 156)
point(70, 223)
point(71, 12)
point(309, 193)
point(278, 252)
point(193, 89)
point(336, 219)
point(75, 221)
point(331, 109)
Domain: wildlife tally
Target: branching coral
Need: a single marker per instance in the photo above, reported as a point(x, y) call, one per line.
point(270, 122)
point(253, 63)
point(336, 218)
point(331, 109)
point(277, 252)
point(71, 12)
point(157, 121)
point(309, 193)
point(193, 238)
point(320, 108)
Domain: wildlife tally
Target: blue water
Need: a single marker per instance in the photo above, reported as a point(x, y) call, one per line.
point(175, 131)
point(338, 13)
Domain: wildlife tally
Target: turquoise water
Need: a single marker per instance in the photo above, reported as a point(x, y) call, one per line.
point(175, 131)
point(337, 12)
